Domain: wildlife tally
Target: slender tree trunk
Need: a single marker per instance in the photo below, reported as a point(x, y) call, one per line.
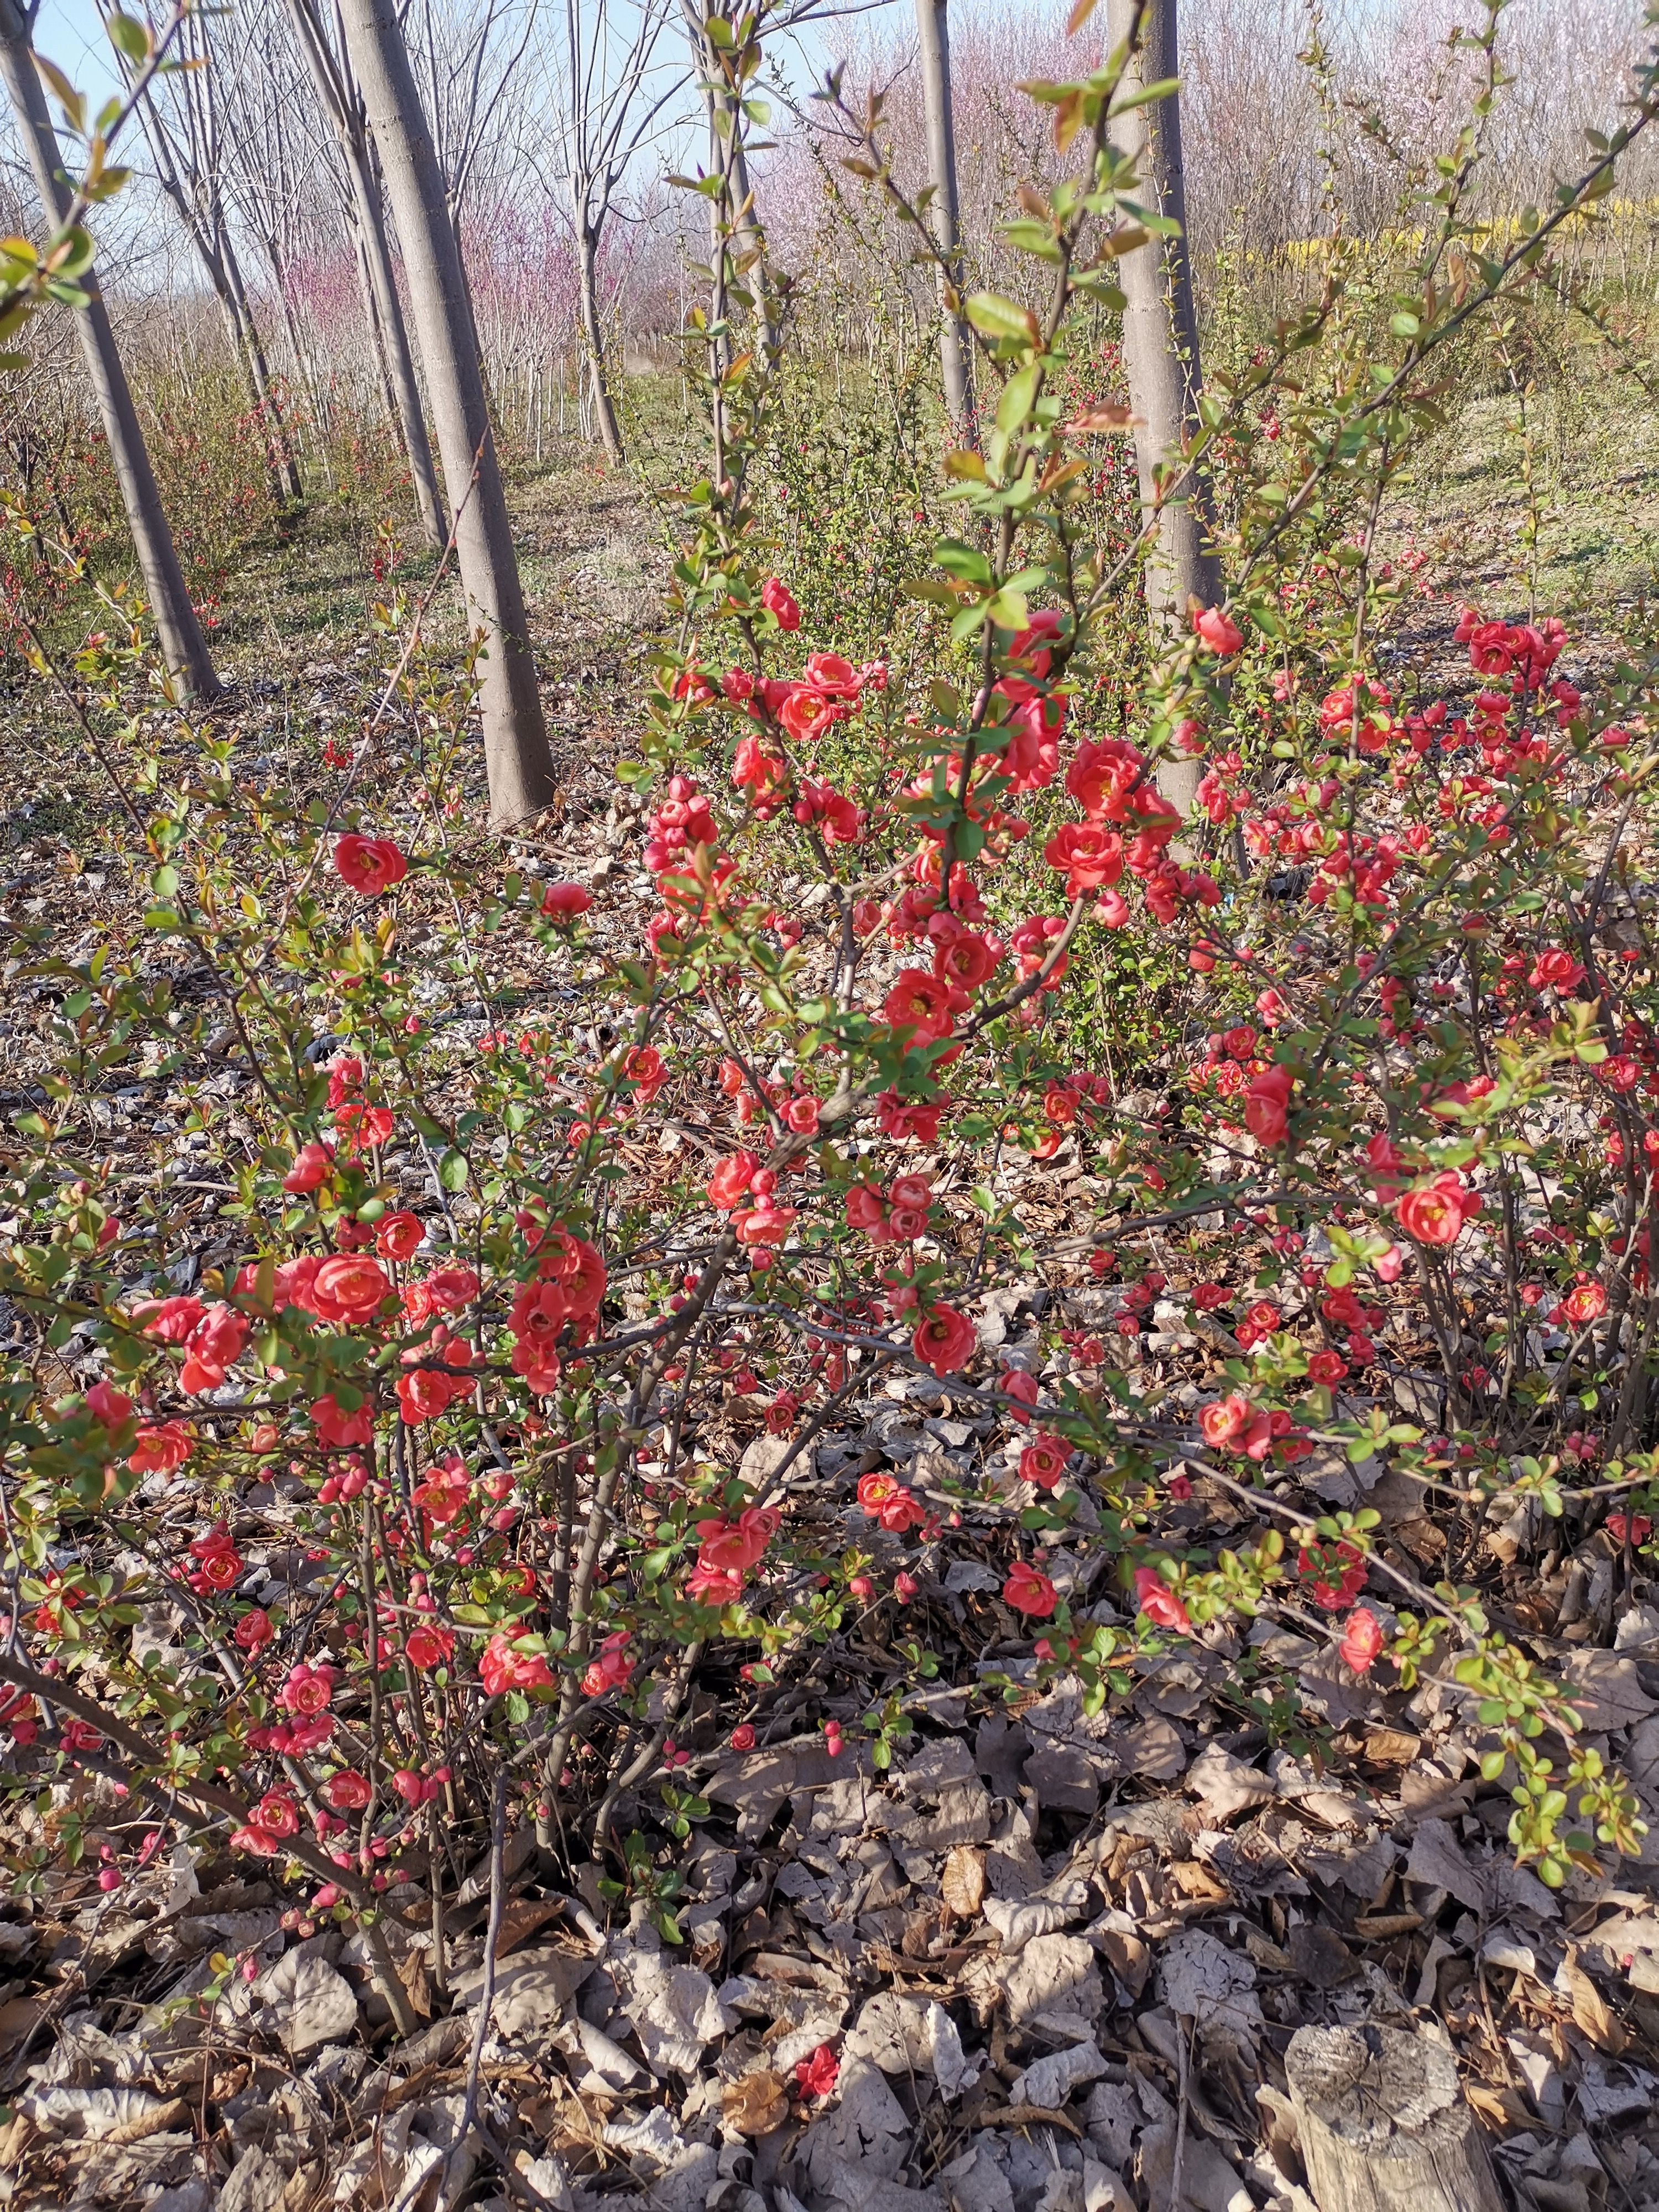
point(594, 332)
point(1160, 348)
point(184, 648)
point(246, 329)
point(382, 304)
point(376, 332)
point(519, 765)
point(304, 364)
point(233, 332)
point(397, 357)
point(956, 358)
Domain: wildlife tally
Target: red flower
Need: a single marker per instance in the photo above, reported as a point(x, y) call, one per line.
point(815, 2076)
point(577, 1268)
point(742, 1737)
point(1556, 970)
point(1043, 1461)
point(1023, 1389)
point(276, 1814)
point(830, 674)
point(1326, 1367)
point(1089, 857)
point(1267, 1106)
point(503, 1667)
point(313, 1163)
point(966, 960)
point(1029, 1590)
point(1321, 1562)
point(1159, 1602)
point(113, 1408)
point(1585, 1303)
point(732, 1548)
point(253, 1630)
point(865, 1208)
point(1434, 1214)
point(730, 1179)
point(564, 902)
point(781, 1414)
point(886, 1500)
point(339, 1430)
point(1224, 1422)
point(1362, 1640)
point(308, 1690)
point(779, 603)
point(807, 714)
point(215, 1344)
point(449, 1289)
point(349, 1288)
point(945, 1340)
point(1206, 1296)
point(1218, 631)
point(348, 1791)
point(170, 1320)
point(159, 1449)
point(369, 865)
point(399, 1235)
point(919, 1001)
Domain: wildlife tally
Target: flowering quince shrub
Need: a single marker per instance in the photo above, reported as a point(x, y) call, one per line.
point(412, 1440)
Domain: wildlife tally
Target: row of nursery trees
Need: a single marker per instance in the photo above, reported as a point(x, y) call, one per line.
point(1412, 1110)
point(366, 83)
point(261, 206)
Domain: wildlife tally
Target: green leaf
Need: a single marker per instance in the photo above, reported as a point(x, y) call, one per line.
point(1164, 87)
point(128, 37)
point(72, 102)
point(453, 1169)
point(998, 317)
point(1015, 404)
point(966, 562)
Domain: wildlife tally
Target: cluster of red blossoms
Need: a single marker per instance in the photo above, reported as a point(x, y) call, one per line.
point(897, 1216)
point(728, 1551)
point(1232, 1424)
point(567, 1288)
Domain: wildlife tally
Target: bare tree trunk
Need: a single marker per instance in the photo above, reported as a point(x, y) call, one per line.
point(184, 648)
point(397, 355)
point(304, 362)
point(516, 754)
point(956, 360)
point(377, 333)
point(594, 332)
point(1160, 348)
point(382, 306)
point(245, 329)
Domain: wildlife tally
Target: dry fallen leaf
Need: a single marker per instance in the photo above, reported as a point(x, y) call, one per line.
point(1589, 2008)
point(757, 2104)
point(521, 1916)
point(1130, 1959)
point(1388, 1747)
point(413, 1975)
point(962, 1882)
point(1500, 2108)
point(1373, 1926)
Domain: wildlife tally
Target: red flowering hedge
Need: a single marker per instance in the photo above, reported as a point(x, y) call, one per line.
point(1413, 1103)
